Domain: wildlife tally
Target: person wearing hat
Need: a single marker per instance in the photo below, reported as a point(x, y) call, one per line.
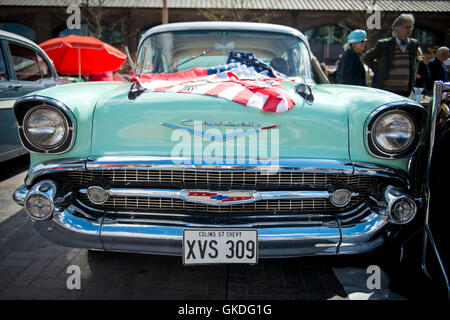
point(394, 60)
point(350, 69)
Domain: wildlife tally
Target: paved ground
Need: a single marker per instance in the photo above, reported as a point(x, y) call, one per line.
point(33, 268)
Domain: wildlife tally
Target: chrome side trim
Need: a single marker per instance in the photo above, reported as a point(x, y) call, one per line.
point(221, 137)
point(186, 195)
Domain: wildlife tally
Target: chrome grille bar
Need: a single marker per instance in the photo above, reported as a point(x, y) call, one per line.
point(267, 207)
point(211, 195)
point(221, 179)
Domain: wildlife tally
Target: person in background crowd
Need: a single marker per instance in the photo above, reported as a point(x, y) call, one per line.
point(350, 69)
point(333, 74)
point(423, 79)
point(394, 60)
point(438, 70)
point(326, 71)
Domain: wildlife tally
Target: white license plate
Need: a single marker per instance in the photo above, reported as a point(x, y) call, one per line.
point(212, 246)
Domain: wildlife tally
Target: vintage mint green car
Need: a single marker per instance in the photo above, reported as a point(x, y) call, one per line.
point(227, 146)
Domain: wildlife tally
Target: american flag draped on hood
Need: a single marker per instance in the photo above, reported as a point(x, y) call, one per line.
point(243, 79)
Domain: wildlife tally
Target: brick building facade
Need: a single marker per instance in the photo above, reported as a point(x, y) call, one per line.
point(326, 23)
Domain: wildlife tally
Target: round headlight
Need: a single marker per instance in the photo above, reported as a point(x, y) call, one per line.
point(45, 127)
point(393, 132)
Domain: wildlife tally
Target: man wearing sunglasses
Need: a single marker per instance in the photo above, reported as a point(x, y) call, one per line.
point(350, 69)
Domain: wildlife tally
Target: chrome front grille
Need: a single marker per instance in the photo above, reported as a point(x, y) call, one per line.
point(221, 179)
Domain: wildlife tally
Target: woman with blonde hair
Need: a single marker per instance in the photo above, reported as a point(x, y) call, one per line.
point(351, 70)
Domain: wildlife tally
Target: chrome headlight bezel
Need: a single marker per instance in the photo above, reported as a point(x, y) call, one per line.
point(415, 113)
point(32, 138)
point(377, 123)
point(26, 106)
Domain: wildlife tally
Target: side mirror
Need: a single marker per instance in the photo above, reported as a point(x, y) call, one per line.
point(130, 60)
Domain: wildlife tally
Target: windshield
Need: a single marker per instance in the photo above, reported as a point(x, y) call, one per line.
point(177, 51)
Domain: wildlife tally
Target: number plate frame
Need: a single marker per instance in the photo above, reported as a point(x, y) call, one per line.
point(222, 249)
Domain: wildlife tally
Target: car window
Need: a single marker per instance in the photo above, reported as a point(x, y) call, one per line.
point(25, 63)
point(168, 52)
point(3, 71)
point(43, 66)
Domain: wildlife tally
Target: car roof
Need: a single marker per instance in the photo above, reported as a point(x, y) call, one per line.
point(16, 37)
point(13, 36)
point(223, 25)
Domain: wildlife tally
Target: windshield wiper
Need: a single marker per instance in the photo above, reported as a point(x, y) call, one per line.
point(254, 63)
point(189, 59)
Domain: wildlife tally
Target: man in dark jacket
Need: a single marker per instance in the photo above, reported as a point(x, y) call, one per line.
point(394, 60)
point(438, 70)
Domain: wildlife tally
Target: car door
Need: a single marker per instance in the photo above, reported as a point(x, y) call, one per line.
point(29, 70)
point(10, 90)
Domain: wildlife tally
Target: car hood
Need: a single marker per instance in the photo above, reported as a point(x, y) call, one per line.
point(161, 124)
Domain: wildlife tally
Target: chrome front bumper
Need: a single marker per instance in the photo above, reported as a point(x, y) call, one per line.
point(75, 227)
point(284, 234)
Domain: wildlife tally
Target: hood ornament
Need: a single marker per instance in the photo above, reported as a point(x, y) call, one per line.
point(304, 91)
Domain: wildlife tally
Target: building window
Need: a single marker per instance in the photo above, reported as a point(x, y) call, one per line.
point(78, 32)
point(327, 42)
point(427, 37)
point(112, 37)
point(108, 36)
point(19, 29)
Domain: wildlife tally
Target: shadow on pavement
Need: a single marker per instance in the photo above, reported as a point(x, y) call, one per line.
point(14, 166)
point(132, 276)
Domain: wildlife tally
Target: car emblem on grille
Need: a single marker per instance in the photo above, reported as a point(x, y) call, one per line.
point(219, 197)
